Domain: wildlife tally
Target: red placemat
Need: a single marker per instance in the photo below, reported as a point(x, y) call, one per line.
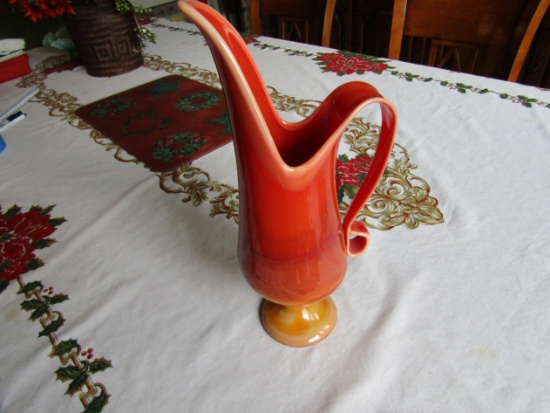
point(164, 123)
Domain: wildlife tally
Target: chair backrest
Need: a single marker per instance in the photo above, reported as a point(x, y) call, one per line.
point(306, 21)
point(465, 35)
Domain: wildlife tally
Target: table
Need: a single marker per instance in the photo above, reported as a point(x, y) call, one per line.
point(139, 304)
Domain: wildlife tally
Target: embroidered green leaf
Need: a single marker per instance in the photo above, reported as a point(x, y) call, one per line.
point(76, 376)
point(57, 298)
point(462, 88)
point(43, 243)
point(98, 403)
point(97, 365)
point(31, 304)
point(3, 284)
point(350, 190)
point(38, 308)
point(53, 326)
point(55, 222)
point(64, 347)
point(68, 373)
point(34, 264)
point(526, 101)
point(224, 121)
point(30, 287)
point(10, 213)
point(77, 383)
point(42, 211)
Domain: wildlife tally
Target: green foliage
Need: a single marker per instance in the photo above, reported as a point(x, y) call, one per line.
point(31, 287)
point(145, 34)
point(64, 347)
point(3, 284)
point(98, 403)
point(97, 365)
point(53, 326)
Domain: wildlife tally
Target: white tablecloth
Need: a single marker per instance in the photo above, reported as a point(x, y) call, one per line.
point(448, 311)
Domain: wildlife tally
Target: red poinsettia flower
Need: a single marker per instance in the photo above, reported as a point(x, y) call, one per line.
point(38, 9)
point(351, 171)
point(349, 63)
point(250, 39)
point(327, 57)
point(21, 233)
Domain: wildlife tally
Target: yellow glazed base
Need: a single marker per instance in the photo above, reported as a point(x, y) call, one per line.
point(301, 325)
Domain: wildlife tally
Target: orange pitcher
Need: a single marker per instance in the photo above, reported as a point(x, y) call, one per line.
point(292, 246)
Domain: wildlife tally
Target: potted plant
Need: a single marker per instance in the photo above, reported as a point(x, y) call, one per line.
point(106, 33)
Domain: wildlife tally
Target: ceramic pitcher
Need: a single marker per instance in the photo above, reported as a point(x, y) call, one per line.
point(292, 245)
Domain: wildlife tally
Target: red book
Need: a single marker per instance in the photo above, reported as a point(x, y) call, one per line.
point(15, 67)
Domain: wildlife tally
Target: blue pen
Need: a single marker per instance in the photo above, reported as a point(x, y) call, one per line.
point(2, 144)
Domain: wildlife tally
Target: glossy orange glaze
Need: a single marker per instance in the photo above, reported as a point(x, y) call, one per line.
point(292, 245)
point(299, 326)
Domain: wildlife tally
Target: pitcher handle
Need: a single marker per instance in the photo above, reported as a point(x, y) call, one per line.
point(356, 234)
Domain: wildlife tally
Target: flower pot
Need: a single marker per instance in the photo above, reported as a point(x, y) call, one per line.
point(107, 41)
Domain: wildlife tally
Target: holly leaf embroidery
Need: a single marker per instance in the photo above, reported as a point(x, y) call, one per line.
point(41, 307)
point(97, 365)
point(53, 326)
point(64, 347)
point(98, 403)
point(77, 377)
point(38, 308)
point(67, 373)
point(29, 288)
point(57, 298)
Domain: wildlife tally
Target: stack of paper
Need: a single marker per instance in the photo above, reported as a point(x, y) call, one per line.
point(8, 46)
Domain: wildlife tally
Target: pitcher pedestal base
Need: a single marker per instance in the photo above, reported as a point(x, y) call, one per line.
point(301, 325)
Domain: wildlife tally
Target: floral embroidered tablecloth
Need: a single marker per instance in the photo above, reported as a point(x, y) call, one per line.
point(120, 288)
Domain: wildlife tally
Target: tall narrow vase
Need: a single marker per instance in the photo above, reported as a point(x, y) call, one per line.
point(107, 41)
point(292, 245)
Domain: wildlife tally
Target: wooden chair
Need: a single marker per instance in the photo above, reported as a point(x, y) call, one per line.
point(467, 35)
point(306, 21)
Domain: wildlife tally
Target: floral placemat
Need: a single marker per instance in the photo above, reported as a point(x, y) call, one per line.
point(164, 123)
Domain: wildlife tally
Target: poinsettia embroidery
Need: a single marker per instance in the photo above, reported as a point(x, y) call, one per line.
point(250, 39)
point(350, 173)
point(346, 63)
point(21, 234)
